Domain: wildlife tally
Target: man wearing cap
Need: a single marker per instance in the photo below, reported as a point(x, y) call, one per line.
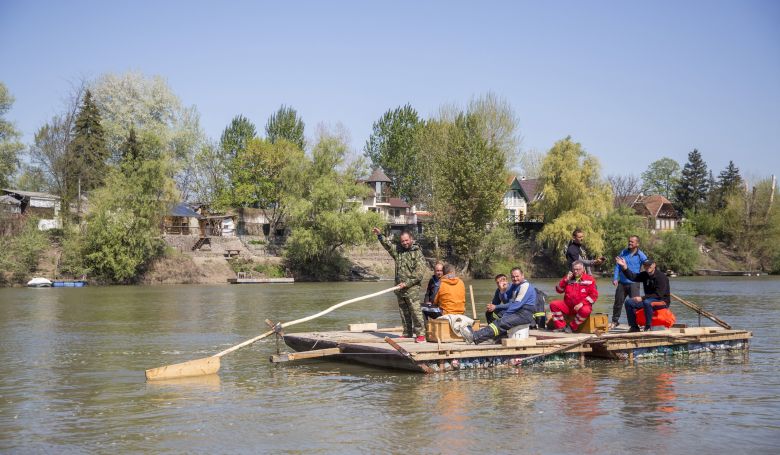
point(623, 286)
point(657, 292)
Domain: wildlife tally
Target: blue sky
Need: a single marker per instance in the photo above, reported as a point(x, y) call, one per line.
point(632, 81)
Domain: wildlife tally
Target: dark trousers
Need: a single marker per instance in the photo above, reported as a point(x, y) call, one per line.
point(622, 291)
point(499, 328)
point(632, 306)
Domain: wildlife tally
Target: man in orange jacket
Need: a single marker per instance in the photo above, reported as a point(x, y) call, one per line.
point(451, 298)
point(579, 294)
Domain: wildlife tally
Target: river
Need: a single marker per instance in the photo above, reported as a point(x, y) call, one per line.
point(72, 367)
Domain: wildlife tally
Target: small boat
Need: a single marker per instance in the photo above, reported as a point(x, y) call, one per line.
point(69, 284)
point(39, 282)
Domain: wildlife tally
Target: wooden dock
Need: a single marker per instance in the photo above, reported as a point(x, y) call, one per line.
point(260, 280)
point(386, 348)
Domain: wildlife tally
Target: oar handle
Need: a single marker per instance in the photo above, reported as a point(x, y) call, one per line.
point(702, 312)
point(307, 318)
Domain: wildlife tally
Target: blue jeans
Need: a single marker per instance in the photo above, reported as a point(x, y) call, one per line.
point(632, 306)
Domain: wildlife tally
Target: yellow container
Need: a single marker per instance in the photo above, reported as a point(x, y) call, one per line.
point(439, 331)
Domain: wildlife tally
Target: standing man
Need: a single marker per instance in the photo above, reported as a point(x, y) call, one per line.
point(579, 294)
point(409, 271)
point(625, 287)
point(522, 304)
point(576, 252)
point(657, 293)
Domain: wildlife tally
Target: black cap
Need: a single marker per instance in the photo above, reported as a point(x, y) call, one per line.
point(648, 262)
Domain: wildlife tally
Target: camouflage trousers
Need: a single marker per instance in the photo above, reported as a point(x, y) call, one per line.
point(411, 312)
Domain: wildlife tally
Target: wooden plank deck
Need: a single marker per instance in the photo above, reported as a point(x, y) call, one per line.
point(370, 347)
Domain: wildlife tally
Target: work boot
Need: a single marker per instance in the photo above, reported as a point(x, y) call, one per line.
point(467, 334)
point(648, 328)
point(633, 329)
point(614, 325)
point(567, 329)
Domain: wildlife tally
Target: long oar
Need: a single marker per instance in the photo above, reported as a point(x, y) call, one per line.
point(210, 365)
point(702, 312)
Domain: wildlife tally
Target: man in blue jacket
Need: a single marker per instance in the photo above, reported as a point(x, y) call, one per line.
point(625, 287)
point(522, 305)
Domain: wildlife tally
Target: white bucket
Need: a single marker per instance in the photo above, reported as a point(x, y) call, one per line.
point(519, 332)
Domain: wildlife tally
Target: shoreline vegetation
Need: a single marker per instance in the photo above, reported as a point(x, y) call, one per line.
point(125, 150)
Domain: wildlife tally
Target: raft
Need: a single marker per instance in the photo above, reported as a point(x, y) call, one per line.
point(386, 348)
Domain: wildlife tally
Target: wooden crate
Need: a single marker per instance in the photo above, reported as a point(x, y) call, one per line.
point(439, 331)
point(596, 321)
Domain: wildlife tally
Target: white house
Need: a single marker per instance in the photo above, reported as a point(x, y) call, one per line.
point(45, 206)
point(518, 198)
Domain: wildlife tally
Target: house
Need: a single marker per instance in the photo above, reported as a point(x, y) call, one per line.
point(522, 192)
point(659, 211)
point(181, 220)
point(44, 206)
point(395, 211)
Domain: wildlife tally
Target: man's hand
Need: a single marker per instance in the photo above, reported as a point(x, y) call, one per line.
point(578, 306)
point(637, 299)
point(569, 275)
point(376, 231)
point(490, 307)
point(614, 283)
point(621, 262)
point(401, 285)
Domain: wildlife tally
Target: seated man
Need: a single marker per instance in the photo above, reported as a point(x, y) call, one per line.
point(429, 310)
point(451, 298)
point(579, 294)
point(657, 292)
point(496, 308)
point(522, 305)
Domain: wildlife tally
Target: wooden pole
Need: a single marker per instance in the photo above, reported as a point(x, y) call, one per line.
point(702, 312)
point(210, 365)
point(473, 308)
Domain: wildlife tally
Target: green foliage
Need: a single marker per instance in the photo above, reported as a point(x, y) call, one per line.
point(496, 254)
point(618, 226)
point(322, 218)
point(21, 252)
point(661, 177)
point(574, 197)
point(709, 224)
point(10, 146)
point(71, 262)
point(285, 124)
point(692, 189)
point(393, 147)
point(235, 137)
point(676, 251)
point(469, 185)
point(31, 179)
point(729, 182)
point(123, 225)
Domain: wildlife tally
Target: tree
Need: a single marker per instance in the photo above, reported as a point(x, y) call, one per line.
point(469, 186)
point(322, 219)
point(123, 225)
point(285, 124)
point(132, 157)
point(676, 251)
point(574, 196)
point(10, 146)
point(531, 163)
point(87, 154)
point(149, 105)
point(624, 188)
point(618, 226)
point(233, 142)
point(32, 179)
point(729, 182)
point(692, 189)
point(661, 177)
point(392, 147)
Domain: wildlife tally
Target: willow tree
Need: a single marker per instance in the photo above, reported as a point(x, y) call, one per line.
point(574, 196)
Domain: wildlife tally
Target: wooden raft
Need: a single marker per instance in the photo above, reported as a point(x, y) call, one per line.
point(371, 348)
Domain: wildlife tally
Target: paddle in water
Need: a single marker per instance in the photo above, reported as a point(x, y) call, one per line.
point(211, 364)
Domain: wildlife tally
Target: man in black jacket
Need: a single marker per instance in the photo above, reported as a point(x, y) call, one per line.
point(657, 292)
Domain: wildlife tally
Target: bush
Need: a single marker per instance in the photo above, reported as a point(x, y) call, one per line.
point(706, 224)
point(618, 226)
point(20, 256)
point(496, 253)
point(676, 251)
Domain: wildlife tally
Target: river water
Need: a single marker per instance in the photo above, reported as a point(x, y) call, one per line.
point(72, 367)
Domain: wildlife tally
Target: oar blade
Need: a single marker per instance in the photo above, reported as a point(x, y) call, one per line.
point(198, 367)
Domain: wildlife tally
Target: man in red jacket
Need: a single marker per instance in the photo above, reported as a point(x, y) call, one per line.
point(579, 294)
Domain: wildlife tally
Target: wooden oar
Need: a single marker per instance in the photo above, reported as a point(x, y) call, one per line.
point(559, 350)
point(210, 365)
point(473, 308)
point(702, 312)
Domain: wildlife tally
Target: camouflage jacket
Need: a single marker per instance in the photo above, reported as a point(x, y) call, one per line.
point(409, 264)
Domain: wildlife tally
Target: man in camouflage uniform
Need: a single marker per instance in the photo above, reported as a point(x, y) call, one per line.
point(409, 272)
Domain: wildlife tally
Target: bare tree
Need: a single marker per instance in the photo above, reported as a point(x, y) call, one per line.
point(48, 152)
point(624, 186)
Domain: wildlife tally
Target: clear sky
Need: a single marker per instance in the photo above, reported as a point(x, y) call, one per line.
point(632, 81)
